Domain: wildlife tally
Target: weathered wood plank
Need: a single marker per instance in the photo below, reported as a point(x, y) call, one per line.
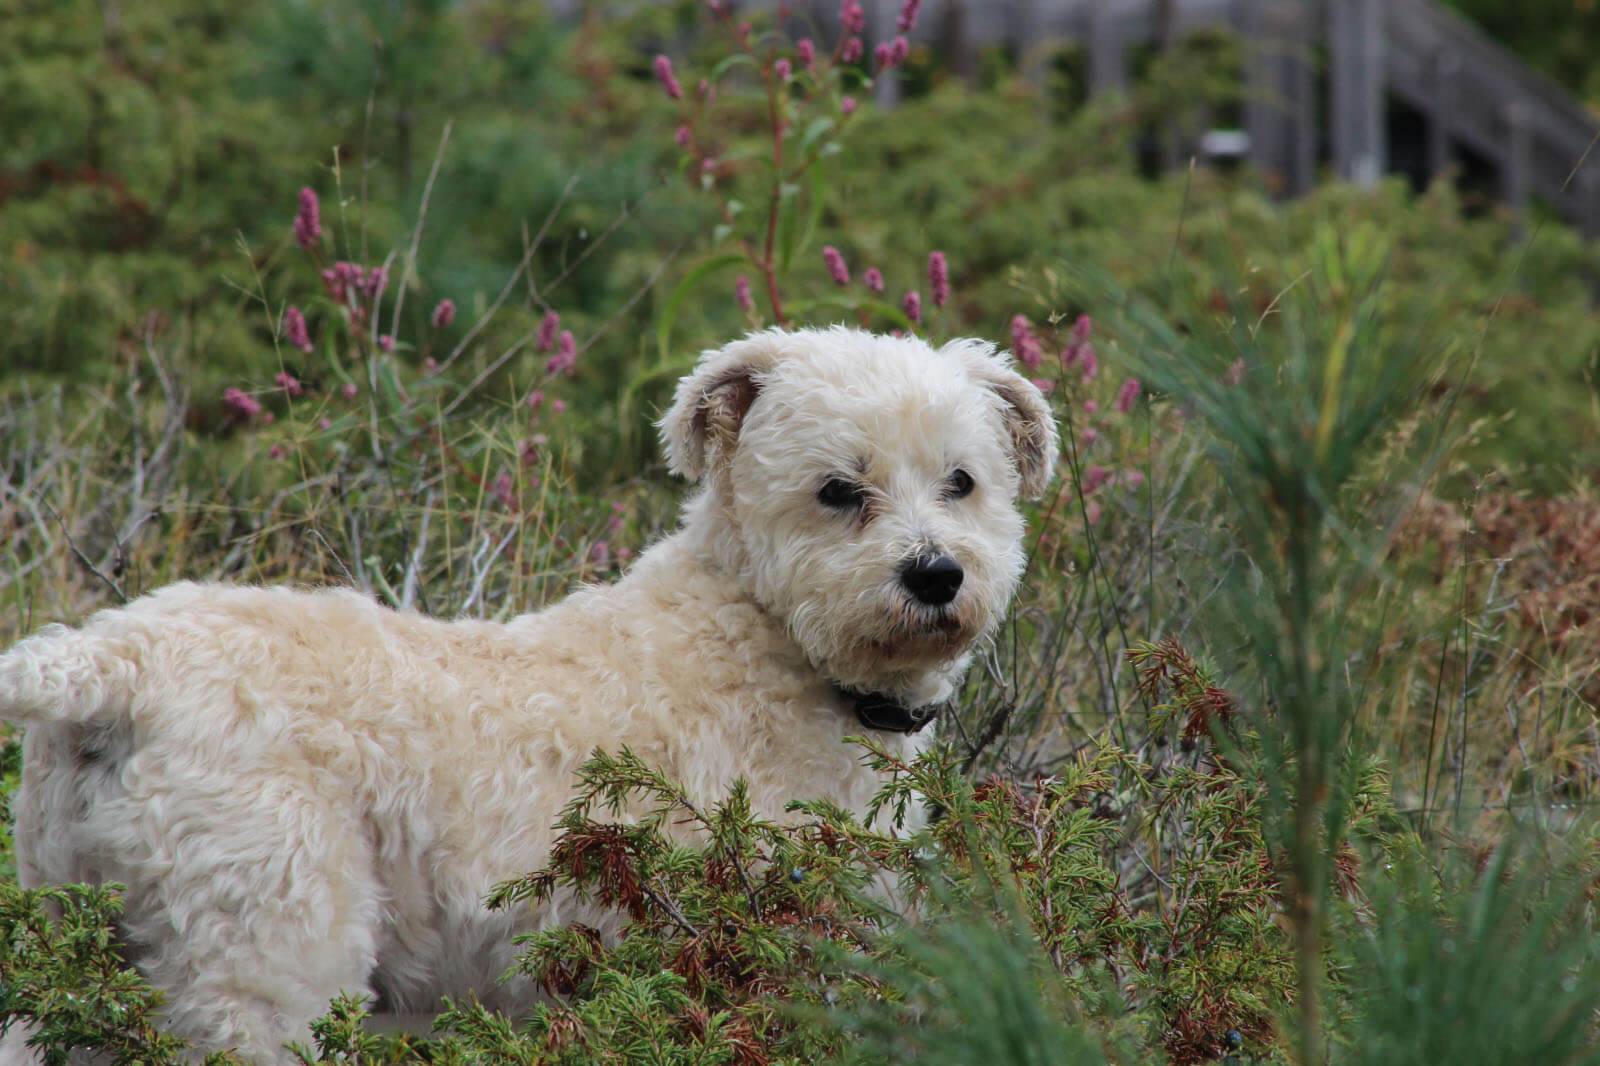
point(1588, 196)
point(1356, 80)
point(1443, 68)
point(1108, 66)
point(880, 27)
point(1517, 179)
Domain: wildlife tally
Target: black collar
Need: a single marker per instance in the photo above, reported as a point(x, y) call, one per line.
point(877, 711)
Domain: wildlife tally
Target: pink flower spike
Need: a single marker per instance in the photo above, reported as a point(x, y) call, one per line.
point(852, 51)
point(899, 51)
point(908, 15)
point(782, 70)
point(294, 328)
point(1024, 346)
point(807, 52)
point(308, 220)
point(873, 279)
point(349, 391)
point(600, 554)
point(535, 399)
point(276, 452)
point(1021, 332)
point(847, 105)
point(668, 80)
point(430, 366)
point(883, 56)
point(836, 265)
point(938, 278)
point(1089, 435)
point(288, 383)
point(558, 406)
point(341, 280)
point(1127, 396)
point(377, 279)
point(1090, 407)
point(912, 302)
point(1133, 478)
point(741, 292)
point(682, 136)
point(852, 16)
point(385, 342)
point(324, 423)
point(547, 330)
point(444, 313)
point(1079, 350)
point(744, 33)
point(1090, 364)
point(1044, 385)
point(565, 360)
point(502, 490)
point(1091, 511)
point(1094, 477)
point(241, 402)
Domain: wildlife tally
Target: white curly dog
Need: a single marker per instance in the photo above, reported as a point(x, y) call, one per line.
point(307, 793)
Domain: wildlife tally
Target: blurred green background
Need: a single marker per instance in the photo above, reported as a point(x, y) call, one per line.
point(153, 151)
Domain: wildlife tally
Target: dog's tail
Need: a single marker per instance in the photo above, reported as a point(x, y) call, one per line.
point(65, 675)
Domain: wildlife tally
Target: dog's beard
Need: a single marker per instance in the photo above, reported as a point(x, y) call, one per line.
point(886, 641)
point(896, 637)
point(922, 632)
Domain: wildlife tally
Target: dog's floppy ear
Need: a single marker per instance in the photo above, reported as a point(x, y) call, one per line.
point(1028, 419)
point(710, 404)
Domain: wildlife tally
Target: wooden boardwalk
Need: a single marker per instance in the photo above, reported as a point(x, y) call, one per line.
point(1464, 100)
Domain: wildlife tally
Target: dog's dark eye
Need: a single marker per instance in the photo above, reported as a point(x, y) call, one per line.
point(841, 494)
point(959, 484)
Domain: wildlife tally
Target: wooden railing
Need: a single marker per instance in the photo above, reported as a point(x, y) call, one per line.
point(1477, 102)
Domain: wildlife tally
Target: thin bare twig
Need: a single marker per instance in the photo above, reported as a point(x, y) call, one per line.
point(72, 545)
point(416, 232)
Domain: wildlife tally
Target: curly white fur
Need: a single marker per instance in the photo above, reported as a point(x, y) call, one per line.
point(308, 793)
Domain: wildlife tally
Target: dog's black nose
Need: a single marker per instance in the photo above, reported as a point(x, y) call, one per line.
point(933, 579)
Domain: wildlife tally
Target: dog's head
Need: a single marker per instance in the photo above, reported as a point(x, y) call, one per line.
point(865, 489)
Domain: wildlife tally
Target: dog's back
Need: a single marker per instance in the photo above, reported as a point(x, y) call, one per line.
point(112, 793)
point(306, 781)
